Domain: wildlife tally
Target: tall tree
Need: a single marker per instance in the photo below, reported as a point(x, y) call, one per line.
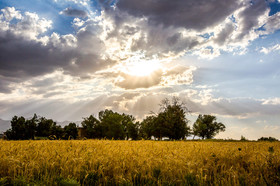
point(70, 131)
point(111, 123)
point(47, 127)
point(30, 127)
point(129, 126)
point(22, 129)
point(92, 127)
point(173, 117)
point(17, 132)
point(170, 122)
point(206, 126)
point(147, 127)
point(133, 130)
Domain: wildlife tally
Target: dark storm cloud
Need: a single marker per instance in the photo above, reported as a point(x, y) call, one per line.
point(20, 57)
point(191, 14)
point(74, 12)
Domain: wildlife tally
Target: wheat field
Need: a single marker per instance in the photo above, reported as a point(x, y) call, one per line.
point(105, 162)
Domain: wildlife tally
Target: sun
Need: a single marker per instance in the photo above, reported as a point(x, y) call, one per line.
point(141, 68)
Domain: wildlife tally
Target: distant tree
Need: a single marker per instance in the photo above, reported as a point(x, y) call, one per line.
point(243, 138)
point(47, 127)
point(111, 123)
point(92, 127)
point(70, 131)
point(133, 130)
point(18, 128)
point(271, 139)
point(30, 127)
point(57, 131)
point(170, 122)
point(129, 126)
point(207, 127)
point(147, 127)
point(173, 119)
point(22, 129)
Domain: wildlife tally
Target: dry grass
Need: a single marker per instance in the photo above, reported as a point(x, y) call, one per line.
point(104, 162)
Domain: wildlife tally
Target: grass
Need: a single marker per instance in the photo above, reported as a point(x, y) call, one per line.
point(104, 162)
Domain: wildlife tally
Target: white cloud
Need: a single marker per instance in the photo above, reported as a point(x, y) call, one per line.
point(78, 22)
point(10, 13)
point(29, 25)
point(271, 101)
point(270, 49)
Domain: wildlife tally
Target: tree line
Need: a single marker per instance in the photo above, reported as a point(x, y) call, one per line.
point(170, 122)
point(39, 127)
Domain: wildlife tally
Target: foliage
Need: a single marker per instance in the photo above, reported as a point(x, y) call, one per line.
point(147, 127)
point(47, 127)
point(70, 131)
point(171, 122)
point(174, 119)
point(104, 162)
point(22, 128)
point(267, 139)
point(243, 138)
point(93, 128)
point(111, 125)
point(18, 129)
point(206, 126)
point(37, 128)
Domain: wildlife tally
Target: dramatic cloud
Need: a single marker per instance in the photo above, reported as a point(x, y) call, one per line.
point(173, 29)
point(180, 13)
point(26, 52)
point(128, 55)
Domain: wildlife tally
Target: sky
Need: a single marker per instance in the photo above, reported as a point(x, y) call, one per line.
point(68, 59)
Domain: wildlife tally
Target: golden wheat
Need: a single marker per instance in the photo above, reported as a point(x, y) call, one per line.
point(105, 162)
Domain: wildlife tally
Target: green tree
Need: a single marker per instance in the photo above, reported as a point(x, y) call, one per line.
point(133, 130)
point(111, 123)
point(30, 127)
point(57, 130)
point(22, 129)
point(47, 127)
point(18, 129)
point(170, 122)
point(173, 119)
point(129, 126)
point(92, 127)
point(206, 126)
point(147, 127)
point(70, 131)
